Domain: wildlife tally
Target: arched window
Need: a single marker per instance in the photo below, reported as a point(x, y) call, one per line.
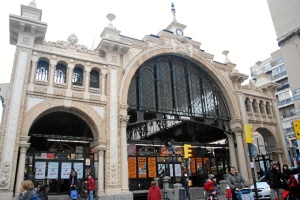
point(247, 104)
point(77, 76)
point(261, 107)
point(42, 71)
point(255, 106)
point(60, 73)
point(94, 79)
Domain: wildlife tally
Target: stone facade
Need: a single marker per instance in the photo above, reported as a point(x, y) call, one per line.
point(104, 109)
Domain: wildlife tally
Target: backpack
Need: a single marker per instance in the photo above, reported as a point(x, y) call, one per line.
point(36, 197)
point(295, 184)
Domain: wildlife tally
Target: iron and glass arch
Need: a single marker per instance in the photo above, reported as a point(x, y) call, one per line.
point(174, 87)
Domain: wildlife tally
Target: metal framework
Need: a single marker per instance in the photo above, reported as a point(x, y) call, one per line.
point(168, 92)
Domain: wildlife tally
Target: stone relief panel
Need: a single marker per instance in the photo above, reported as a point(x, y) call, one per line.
point(113, 174)
point(182, 47)
point(4, 174)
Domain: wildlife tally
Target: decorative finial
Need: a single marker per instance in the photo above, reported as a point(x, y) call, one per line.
point(111, 17)
point(225, 53)
point(32, 4)
point(173, 11)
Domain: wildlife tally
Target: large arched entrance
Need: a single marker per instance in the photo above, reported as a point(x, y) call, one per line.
point(59, 142)
point(172, 102)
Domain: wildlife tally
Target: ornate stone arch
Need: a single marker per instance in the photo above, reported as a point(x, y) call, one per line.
point(87, 113)
point(216, 75)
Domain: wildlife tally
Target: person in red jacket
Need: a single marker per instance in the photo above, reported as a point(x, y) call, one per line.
point(91, 187)
point(209, 188)
point(154, 192)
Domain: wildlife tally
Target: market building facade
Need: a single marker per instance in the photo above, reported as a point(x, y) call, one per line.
point(123, 111)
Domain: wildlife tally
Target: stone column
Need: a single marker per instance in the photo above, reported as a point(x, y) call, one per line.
point(241, 154)
point(124, 156)
point(51, 77)
point(103, 75)
point(87, 82)
point(87, 79)
point(99, 147)
point(100, 172)
point(21, 166)
point(232, 151)
point(69, 79)
point(53, 63)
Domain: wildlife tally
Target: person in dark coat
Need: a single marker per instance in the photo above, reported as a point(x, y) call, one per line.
point(42, 193)
point(273, 178)
point(286, 172)
point(154, 192)
point(84, 194)
point(236, 182)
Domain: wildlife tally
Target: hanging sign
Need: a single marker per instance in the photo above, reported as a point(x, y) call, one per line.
point(40, 168)
point(52, 170)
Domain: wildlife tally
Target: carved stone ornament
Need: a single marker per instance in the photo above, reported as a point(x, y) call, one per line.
point(124, 119)
point(4, 178)
point(237, 129)
point(251, 86)
point(182, 47)
point(113, 176)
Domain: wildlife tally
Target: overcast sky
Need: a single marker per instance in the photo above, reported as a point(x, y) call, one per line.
point(244, 27)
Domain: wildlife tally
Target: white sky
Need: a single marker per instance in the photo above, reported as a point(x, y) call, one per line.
point(243, 27)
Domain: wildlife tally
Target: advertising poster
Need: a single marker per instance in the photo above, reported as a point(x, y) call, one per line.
point(40, 168)
point(177, 168)
point(152, 167)
point(132, 167)
point(164, 151)
point(65, 170)
point(131, 150)
point(79, 169)
point(161, 170)
point(52, 170)
point(192, 165)
point(142, 167)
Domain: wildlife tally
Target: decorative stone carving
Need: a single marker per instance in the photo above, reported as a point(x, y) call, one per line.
point(124, 119)
point(113, 175)
point(71, 44)
point(251, 86)
point(182, 47)
point(4, 178)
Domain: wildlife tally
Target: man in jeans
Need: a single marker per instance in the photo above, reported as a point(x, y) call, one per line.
point(273, 178)
point(235, 181)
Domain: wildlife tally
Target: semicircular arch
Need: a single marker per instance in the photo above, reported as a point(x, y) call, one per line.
point(199, 60)
point(76, 108)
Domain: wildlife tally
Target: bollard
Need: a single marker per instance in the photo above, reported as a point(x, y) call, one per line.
point(182, 194)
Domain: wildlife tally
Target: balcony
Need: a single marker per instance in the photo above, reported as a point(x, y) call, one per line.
point(285, 101)
point(278, 75)
point(283, 87)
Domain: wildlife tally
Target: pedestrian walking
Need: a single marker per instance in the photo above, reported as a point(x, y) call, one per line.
point(84, 190)
point(154, 192)
point(273, 178)
point(91, 187)
point(27, 192)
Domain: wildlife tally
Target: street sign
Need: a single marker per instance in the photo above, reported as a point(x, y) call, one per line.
point(254, 151)
point(296, 124)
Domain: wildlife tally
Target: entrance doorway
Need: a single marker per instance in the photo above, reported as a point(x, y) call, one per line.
point(53, 168)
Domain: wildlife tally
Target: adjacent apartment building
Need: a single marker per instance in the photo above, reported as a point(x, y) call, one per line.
point(274, 69)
